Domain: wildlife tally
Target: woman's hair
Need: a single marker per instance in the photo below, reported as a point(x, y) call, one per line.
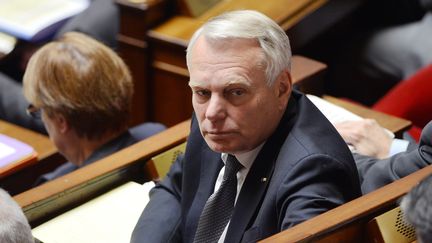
point(83, 80)
point(249, 24)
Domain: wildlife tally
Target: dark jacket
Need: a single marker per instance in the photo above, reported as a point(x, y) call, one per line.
point(375, 173)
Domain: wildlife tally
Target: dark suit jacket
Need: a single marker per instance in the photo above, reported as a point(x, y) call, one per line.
point(309, 170)
point(375, 173)
point(122, 141)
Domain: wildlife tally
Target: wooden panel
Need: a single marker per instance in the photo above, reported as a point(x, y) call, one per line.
point(171, 96)
point(131, 52)
point(136, 17)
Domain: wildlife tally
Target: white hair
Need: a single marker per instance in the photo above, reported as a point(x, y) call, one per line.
point(14, 227)
point(417, 209)
point(249, 24)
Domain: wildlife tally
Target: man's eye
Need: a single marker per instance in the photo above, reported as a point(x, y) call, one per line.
point(237, 92)
point(204, 93)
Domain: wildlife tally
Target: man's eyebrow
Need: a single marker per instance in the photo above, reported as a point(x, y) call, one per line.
point(193, 84)
point(240, 81)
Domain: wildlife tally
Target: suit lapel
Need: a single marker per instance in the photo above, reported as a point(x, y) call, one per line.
point(211, 164)
point(256, 182)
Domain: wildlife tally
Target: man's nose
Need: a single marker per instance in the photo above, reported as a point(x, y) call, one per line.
point(216, 108)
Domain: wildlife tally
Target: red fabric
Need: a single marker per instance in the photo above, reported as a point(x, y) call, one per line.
point(410, 99)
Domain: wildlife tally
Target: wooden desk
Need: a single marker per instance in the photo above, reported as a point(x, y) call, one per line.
point(395, 124)
point(48, 158)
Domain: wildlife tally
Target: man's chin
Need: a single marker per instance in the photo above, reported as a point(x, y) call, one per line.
point(224, 147)
point(219, 147)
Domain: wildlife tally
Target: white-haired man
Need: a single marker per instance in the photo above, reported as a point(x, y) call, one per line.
point(260, 157)
point(14, 227)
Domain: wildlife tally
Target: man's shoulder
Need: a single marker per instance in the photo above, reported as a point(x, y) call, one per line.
point(312, 135)
point(313, 129)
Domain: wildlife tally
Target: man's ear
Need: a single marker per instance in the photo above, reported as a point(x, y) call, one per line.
point(285, 84)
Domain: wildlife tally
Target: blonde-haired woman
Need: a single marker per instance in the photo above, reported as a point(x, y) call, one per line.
point(82, 91)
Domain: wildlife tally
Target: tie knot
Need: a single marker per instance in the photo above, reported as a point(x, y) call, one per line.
point(232, 166)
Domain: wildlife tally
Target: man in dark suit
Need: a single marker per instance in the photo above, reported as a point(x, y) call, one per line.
point(291, 164)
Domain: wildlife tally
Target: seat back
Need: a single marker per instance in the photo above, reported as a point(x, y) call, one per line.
point(391, 227)
point(161, 163)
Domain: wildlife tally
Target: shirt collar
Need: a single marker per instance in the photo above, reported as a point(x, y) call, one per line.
point(246, 159)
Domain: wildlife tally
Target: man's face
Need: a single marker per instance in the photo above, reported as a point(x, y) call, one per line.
point(235, 107)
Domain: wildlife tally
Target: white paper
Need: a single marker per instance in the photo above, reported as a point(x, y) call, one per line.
point(25, 18)
point(7, 43)
point(110, 217)
point(5, 150)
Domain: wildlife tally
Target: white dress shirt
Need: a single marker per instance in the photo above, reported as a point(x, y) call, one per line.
point(246, 160)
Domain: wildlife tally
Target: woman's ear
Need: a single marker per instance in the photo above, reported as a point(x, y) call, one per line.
point(61, 123)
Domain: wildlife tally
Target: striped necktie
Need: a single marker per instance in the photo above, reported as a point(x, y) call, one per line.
point(219, 207)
